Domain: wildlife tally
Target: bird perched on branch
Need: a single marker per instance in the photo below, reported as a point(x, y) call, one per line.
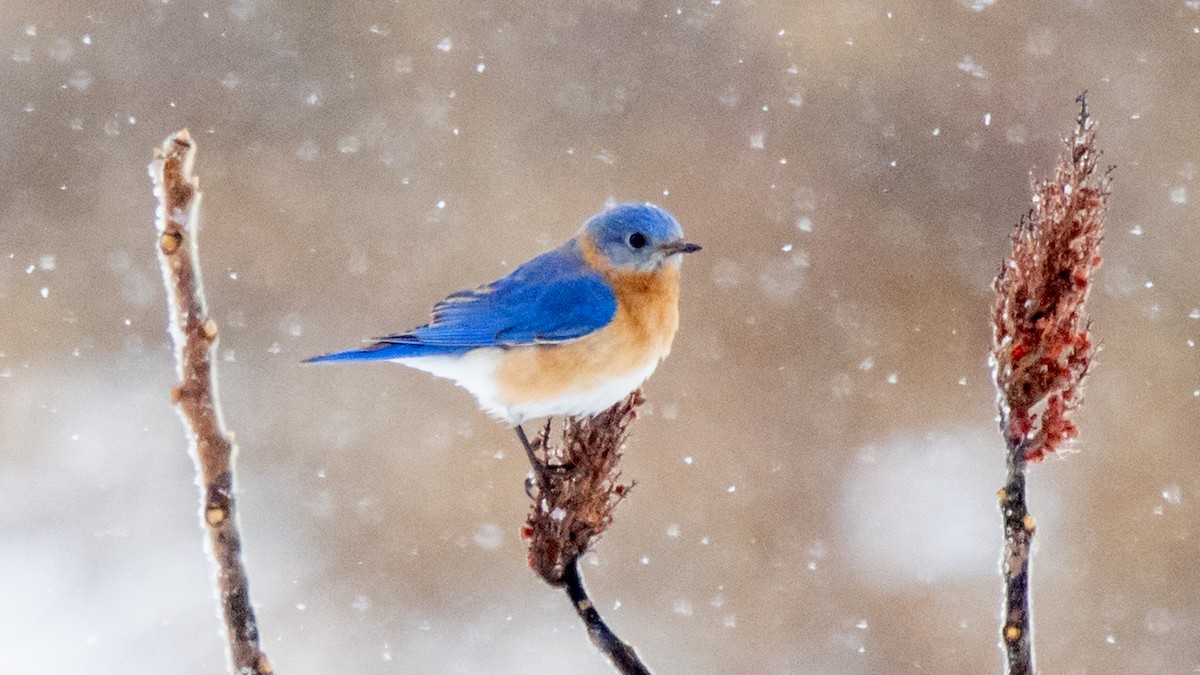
point(571, 332)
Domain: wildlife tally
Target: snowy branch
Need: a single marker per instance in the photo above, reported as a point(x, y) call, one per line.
point(195, 336)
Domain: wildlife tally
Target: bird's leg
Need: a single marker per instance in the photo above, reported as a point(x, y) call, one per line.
point(539, 467)
point(541, 472)
point(533, 460)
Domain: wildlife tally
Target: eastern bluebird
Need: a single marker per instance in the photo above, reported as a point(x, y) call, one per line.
point(571, 332)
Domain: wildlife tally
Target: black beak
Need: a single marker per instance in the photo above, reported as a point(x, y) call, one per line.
point(678, 246)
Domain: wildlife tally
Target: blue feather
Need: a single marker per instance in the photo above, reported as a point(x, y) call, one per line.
point(556, 297)
point(386, 351)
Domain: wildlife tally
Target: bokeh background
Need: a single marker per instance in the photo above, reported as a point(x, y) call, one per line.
point(816, 471)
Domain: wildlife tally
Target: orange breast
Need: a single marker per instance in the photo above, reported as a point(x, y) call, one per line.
point(640, 333)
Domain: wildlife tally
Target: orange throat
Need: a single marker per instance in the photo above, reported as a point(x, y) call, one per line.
point(610, 359)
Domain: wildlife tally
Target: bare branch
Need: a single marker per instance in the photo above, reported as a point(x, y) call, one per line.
point(619, 652)
point(195, 338)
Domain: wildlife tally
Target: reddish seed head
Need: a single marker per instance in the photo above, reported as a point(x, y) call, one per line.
point(1040, 303)
point(572, 508)
point(1019, 351)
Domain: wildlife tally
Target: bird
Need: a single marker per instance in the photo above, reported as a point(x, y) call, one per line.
point(570, 332)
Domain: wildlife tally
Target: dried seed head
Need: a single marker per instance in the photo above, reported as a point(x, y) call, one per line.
point(1041, 348)
point(573, 501)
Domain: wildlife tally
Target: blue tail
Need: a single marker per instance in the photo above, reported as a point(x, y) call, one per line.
point(386, 351)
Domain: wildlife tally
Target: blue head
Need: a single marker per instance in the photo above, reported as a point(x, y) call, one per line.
point(641, 237)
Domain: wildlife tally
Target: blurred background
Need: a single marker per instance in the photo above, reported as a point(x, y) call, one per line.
point(817, 466)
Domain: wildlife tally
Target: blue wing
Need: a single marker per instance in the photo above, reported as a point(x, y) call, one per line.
point(553, 298)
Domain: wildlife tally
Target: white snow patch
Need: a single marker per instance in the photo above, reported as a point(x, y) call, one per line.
point(489, 536)
point(921, 509)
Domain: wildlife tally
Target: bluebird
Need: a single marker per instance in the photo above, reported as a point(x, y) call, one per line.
point(571, 332)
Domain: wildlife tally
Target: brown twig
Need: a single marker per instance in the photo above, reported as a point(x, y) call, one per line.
point(1042, 350)
point(574, 489)
point(618, 651)
point(212, 448)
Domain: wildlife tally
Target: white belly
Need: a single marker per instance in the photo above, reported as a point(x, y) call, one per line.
point(476, 372)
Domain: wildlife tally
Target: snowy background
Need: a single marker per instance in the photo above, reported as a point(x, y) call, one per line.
point(818, 465)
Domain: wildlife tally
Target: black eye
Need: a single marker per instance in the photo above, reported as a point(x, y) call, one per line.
point(637, 240)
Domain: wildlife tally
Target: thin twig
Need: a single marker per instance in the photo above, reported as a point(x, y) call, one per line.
point(573, 501)
point(1018, 539)
point(619, 652)
point(1042, 351)
point(195, 336)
